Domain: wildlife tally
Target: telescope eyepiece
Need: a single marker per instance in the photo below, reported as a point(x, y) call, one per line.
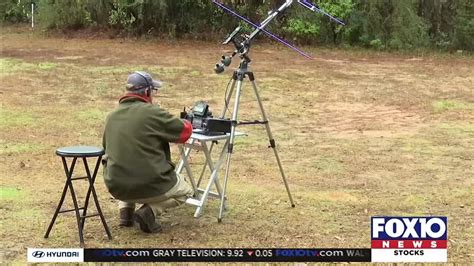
point(219, 68)
point(226, 60)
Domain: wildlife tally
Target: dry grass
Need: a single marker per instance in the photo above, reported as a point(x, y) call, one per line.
point(359, 133)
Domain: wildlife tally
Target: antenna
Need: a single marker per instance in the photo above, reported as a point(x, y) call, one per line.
point(316, 8)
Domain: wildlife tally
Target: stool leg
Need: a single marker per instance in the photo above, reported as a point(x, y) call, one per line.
point(76, 207)
point(86, 203)
point(91, 189)
point(61, 201)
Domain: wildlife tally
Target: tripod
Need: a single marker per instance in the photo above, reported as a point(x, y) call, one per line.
point(238, 78)
point(242, 48)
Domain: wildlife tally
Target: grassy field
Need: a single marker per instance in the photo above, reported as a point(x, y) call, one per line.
point(360, 134)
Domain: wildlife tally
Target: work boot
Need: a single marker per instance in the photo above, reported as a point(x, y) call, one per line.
point(126, 217)
point(146, 219)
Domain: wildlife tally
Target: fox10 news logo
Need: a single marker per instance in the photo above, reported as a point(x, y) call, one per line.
point(409, 239)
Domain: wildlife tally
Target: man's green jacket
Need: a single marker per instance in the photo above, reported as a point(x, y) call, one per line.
point(136, 142)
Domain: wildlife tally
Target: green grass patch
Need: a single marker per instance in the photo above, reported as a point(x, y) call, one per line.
point(10, 66)
point(412, 212)
point(102, 89)
point(461, 194)
point(417, 145)
point(13, 148)
point(47, 65)
point(251, 140)
point(10, 193)
point(327, 165)
point(28, 213)
point(462, 130)
point(415, 202)
point(92, 115)
point(195, 73)
point(111, 69)
point(447, 105)
point(10, 118)
point(157, 72)
point(431, 146)
point(333, 197)
point(166, 72)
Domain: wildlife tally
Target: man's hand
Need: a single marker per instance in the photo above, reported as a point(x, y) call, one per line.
point(186, 133)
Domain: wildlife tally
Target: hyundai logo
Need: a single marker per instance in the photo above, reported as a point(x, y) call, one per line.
point(38, 254)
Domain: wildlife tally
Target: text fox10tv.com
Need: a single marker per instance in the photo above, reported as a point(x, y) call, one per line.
point(393, 239)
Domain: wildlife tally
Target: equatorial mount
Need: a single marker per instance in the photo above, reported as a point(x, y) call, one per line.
point(242, 44)
point(242, 47)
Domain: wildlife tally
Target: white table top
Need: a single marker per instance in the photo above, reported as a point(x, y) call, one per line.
point(202, 137)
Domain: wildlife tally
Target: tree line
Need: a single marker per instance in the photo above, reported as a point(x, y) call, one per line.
point(378, 24)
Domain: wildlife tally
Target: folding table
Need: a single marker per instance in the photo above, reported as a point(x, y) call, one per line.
point(204, 143)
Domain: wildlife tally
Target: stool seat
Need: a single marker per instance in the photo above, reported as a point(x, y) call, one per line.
point(80, 151)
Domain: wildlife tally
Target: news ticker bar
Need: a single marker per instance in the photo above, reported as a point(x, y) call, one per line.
point(227, 255)
point(202, 255)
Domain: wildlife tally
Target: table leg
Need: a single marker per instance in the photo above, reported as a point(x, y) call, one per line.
point(206, 164)
point(209, 163)
point(186, 152)
point(184, 159)
point(212, 180)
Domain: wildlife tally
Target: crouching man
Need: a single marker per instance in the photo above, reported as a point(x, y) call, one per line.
point(138, 168)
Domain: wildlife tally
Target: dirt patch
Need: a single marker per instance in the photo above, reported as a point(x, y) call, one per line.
point(31, 54)
point(369, 119)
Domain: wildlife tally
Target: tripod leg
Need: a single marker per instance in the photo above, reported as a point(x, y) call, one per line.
point(270, 138)
point(231, 143)
point(228, 96)
point(227, 101)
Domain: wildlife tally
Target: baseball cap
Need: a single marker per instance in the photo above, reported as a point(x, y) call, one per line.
point(140, 80)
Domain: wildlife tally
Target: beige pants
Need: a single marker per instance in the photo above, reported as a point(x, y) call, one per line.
point(176, 196)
